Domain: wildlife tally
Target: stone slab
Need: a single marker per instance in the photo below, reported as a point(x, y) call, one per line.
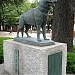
point(33, 41)
point(33, 60)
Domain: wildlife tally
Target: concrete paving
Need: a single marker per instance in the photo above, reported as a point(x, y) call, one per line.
point(2, 71)
point(14, 34)
point(32, 34)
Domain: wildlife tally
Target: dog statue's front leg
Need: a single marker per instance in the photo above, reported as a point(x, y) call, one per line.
point(18, 30)
point(44, 31)
point(38, 33)
point(27, 34)
point(26, 31)
point(17, 33)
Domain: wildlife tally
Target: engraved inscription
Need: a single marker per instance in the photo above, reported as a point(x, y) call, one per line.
point(16, 61)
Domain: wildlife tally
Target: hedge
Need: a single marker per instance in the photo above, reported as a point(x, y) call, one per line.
point(70, 63)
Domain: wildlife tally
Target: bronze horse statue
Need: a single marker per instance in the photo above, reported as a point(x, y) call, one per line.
point(36, 16)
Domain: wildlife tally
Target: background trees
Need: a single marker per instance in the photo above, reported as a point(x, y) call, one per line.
point(8, 9)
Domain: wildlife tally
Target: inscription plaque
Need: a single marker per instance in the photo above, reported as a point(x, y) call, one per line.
point(55, 64)
point(16, 61)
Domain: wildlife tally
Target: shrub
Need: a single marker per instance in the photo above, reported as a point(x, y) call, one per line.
point(74, 48)
point(1, 48)
point(70, 63)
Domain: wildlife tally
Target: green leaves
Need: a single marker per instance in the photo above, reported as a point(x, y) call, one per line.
point(71, 63)
point(8, 10)
point(18, 2)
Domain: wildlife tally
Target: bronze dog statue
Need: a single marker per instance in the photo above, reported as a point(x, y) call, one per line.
point(36, 16)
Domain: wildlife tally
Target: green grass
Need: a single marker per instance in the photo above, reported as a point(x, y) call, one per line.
point(1, 48)
point(70, 63)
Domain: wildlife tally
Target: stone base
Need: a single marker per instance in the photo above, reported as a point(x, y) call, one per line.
point(33, 60)
point(34, 42)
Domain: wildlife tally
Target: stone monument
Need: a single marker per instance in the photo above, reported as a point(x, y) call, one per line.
point(31, 56)
point(24, 59)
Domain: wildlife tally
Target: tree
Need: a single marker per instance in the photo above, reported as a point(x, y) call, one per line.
point(63, 21)
point(3, 4)
point(10, 13)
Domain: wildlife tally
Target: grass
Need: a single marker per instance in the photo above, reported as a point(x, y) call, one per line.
point(70, 63)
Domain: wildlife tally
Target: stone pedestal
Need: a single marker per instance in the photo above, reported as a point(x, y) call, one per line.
point(34, 60)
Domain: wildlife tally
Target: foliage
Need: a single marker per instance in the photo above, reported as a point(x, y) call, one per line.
point(10, 14)
point(24, 7)
point(74, 48)
point(71, 63)
point(51, 10)
point(6, 4)
point(1, 48)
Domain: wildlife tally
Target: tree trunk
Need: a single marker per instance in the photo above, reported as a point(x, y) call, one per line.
point(0, 27)
point(63, 22)
point(0, 23)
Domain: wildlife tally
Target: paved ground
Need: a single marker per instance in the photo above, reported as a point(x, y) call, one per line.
point(2, 71)
point(33, 34)
point(13, 34)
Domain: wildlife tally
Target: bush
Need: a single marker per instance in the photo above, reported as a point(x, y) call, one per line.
point(70, 63)
point(1, 48)
point(74, 48)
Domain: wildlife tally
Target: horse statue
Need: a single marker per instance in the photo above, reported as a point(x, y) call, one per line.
point(36, 16)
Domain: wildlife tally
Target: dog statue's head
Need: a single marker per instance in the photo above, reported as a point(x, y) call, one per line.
point(47, 2)
point(51, 2)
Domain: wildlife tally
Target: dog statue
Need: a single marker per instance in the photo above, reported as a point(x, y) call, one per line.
point(36, 16)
